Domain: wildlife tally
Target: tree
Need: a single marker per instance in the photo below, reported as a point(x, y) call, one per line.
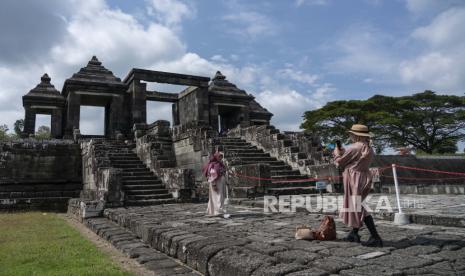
point(3, 132)
point(43, 132)
point(425, 121)
point(19, 127)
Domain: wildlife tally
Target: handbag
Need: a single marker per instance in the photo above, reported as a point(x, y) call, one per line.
point(303, 232)
point(327, 230)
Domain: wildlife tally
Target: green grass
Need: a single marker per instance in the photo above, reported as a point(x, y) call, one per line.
point(45, 244)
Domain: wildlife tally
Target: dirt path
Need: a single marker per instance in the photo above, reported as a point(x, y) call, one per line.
point(116, 256)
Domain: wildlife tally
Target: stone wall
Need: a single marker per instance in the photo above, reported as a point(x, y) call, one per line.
point(101, 182)
point(193, 105)
point(155, 148)
point(192, 147)
point(258, 177)
point(419, 182)
point(39, 174)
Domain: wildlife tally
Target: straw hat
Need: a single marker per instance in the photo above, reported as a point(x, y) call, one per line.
point(360, 130)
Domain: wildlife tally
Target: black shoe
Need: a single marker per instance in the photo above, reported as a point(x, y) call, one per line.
point(373, 242)
point(375, 239)
point(353, 236)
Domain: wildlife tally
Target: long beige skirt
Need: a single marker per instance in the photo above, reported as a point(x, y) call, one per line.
point(216, 198)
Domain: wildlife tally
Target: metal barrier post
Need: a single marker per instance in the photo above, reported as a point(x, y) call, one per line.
point(399, 218)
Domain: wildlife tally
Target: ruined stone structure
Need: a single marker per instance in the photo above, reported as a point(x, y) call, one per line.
point(136, 162)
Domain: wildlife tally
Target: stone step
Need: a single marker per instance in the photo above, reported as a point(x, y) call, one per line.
point(284, 172)
point(230, 139)
point(290, 184)
point(124, 157)
point(233, 143)
point(296, 190)
point(148, 197)
point(135, 187)
point(280, 167)
point(289, 177)
point(137, 170)
point(258, 159)
point(130, 166)
point(152, 181)
point(139, 177)
point(271, 163)
point(137, 173)
point(149, 202)
point(37, 194)
point(238, 148)
point(245, 154)
point(145, 192)
point(124, 162)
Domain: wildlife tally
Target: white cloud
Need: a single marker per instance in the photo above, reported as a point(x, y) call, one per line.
point(115, 37)
point(298, 75)
point(311, 2)
point(219, 58)
point(122, 41)
point(365, 50)
point(250, 24)
point(428, 7)
point(442, 66)
point(446, 30)
point(171, 12)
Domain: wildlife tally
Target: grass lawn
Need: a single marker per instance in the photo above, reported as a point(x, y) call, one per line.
point(36, 243)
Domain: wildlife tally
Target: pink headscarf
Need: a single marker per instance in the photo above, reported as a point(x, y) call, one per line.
point(215, 164)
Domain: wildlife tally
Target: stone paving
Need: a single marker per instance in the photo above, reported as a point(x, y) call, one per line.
point(445, 210)
point(254, 243)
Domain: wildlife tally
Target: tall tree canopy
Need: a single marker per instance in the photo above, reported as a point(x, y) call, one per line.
point(19, 127)
point(425, 121)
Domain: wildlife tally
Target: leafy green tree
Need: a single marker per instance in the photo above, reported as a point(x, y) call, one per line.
point(43, 132)
point(3, 132)
point(425, 121)
point(19, 127)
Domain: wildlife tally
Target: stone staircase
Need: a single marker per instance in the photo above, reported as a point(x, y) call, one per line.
point(141, 187)
point(285, 180)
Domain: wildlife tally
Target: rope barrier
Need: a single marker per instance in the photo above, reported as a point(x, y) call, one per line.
point(380, 170)
point(428, 170)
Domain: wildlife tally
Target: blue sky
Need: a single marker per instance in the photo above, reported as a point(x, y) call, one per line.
point(291, 55)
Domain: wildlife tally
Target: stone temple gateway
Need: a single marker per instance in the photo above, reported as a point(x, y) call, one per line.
point(217, 104)
point(136, 162)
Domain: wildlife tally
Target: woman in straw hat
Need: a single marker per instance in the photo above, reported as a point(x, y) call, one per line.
point(355, 162)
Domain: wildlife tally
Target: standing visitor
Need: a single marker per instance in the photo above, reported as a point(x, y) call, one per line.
point(355, 162)
point(215, 172)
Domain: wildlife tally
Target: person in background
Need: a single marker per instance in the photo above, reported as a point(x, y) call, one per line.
point(215, 172)
point(357, 179)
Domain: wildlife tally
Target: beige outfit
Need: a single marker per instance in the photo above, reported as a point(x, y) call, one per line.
point(216, 198)
point(357, 181)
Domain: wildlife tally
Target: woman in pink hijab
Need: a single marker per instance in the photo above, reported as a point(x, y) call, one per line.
point(215, 172)
point(355, 162)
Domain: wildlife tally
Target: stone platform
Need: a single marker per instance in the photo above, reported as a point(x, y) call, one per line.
point(443, 210)
point(254, 243)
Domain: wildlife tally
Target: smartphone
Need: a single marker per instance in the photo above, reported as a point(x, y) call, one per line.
point(338, 144)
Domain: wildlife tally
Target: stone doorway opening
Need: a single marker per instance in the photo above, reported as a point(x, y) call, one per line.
point(159, 111)
point(229, 117)
point(92, 120)
point(43, 120)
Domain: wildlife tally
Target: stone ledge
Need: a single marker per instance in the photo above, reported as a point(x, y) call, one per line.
point(135, 248)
